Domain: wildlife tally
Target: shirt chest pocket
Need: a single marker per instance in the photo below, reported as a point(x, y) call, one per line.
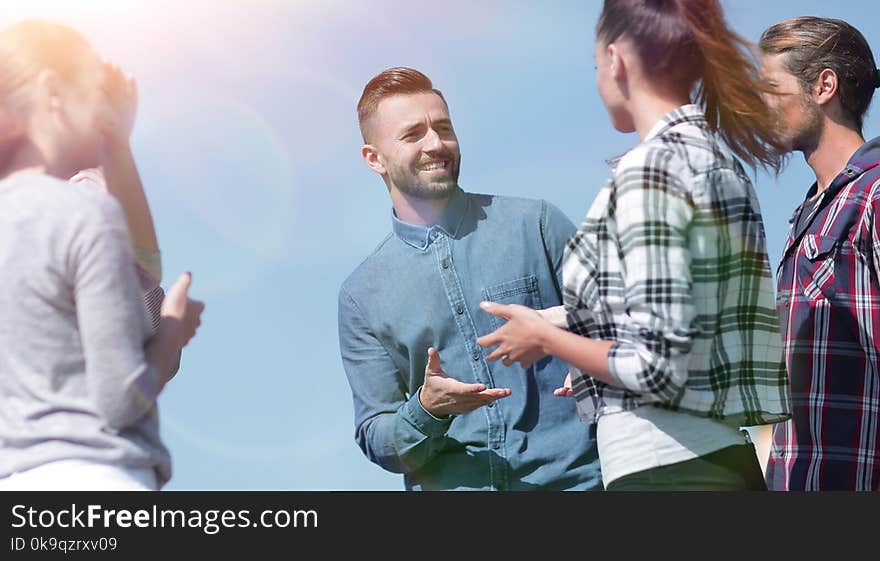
point(523, 291)
point(816, 270)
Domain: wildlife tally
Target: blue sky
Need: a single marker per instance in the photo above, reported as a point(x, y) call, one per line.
point(248, 146)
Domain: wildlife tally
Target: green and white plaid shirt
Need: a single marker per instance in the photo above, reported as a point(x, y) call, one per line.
point(671, 263)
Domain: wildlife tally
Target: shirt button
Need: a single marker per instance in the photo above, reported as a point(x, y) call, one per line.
point(491, 404)
point(445, 263)
point(496, 445)
point(459, 310)
point(476, 355)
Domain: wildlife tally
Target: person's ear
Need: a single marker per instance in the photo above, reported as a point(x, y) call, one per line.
point(616, 61)
point(372, 158)
point(47, 93)
point(825, 87)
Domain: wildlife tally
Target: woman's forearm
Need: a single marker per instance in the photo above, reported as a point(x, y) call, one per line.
point(590, 356)
point(162, 349)
point(124, 183)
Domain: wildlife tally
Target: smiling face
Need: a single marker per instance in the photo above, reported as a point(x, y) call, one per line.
point(416, 150)
point(797, 115)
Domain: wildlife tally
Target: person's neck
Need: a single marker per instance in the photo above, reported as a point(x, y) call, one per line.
point(418, 211)
point(23, 160)
point(649, 107)
point(835, 146)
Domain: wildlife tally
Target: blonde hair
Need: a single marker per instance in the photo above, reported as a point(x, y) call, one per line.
point(28, 48)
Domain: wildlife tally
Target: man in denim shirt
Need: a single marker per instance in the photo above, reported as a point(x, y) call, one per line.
point(462, 423)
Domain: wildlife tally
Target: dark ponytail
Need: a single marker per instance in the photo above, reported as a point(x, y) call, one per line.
point(689, 42)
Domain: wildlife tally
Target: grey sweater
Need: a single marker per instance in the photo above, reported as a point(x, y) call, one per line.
point(73, 379)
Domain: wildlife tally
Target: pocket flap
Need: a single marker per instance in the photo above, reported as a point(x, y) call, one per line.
point(817, 247)
point(511, 288)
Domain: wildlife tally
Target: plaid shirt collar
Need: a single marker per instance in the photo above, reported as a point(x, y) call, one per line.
point(689, 113)
point(866, 158)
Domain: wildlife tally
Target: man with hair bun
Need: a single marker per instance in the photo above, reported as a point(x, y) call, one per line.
point(822, 76)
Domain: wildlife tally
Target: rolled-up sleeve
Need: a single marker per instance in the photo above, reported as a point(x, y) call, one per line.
point(652, 215)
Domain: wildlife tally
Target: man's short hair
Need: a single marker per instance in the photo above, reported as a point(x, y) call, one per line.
point(391, 82)
point(809, 45)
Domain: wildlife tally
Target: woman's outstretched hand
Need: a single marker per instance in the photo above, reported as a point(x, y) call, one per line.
point(520, 339)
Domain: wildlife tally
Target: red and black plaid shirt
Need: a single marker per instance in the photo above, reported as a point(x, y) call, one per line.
point(829, 306)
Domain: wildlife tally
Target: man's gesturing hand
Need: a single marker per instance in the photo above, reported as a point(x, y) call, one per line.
point(442, 396)
point(565, 390)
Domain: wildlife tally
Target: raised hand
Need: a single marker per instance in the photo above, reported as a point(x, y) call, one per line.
point(184, 312)
point(116, 120)
point(442, 395)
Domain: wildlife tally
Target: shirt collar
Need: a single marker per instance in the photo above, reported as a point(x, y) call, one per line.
point(865, 158)
point(421, 236)
point(689, 113)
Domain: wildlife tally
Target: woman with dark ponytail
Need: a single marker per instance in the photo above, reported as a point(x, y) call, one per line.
point(671, 332)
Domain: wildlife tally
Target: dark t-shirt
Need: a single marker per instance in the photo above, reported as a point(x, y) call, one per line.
point(806, 211)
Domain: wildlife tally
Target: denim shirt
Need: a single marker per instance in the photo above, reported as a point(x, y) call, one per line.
point(422, 287)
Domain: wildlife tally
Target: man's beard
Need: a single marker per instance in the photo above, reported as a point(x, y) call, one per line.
point(806, 137)
point(429, 191)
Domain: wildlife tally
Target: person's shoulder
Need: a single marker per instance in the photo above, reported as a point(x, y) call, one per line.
point(374, 265)
point(38, 186)
point(659, 152)
point(96, 204)
point(869, 184)
point(510, 207)
point(55, 195)
point(870, 180)
point(673, 160)
point(505, 200)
